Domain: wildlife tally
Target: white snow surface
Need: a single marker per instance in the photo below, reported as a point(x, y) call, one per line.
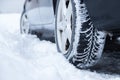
point(25, 57)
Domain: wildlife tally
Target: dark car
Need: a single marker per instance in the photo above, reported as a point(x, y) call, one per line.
point(81, 27)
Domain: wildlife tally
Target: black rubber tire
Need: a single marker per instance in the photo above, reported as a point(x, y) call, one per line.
point(87, 42)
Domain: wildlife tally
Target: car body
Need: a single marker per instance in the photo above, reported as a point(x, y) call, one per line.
point(104, 14)
point(38, 16)
point(39, 13)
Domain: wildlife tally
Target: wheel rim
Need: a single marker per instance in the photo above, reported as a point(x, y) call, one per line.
point(24, 25)
point(64, 25)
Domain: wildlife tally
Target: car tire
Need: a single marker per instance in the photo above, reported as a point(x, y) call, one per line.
point(24, 24)
point(76, 36)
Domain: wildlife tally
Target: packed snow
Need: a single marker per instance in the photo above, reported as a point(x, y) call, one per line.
point(25, 57)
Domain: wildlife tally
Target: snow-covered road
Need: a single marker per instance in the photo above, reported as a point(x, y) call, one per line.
point(25, 57)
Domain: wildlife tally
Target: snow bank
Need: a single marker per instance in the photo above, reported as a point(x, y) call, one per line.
point(25, 57)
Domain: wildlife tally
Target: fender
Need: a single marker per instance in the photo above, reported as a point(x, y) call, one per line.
point(105, 14)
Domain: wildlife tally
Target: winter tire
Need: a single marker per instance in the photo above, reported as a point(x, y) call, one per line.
point(76, 37)
point(24, 24)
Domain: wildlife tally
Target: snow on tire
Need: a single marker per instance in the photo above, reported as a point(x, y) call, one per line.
point(76, 37)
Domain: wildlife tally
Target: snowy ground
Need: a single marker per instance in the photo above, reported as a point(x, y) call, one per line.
point(25, 57)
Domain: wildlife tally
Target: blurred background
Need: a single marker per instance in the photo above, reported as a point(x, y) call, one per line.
point(11, 6)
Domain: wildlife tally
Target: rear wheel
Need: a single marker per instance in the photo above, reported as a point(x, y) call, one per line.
point(24, 24)
point(76, 37)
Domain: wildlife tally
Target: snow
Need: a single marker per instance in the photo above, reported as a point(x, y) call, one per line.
point(25, 57)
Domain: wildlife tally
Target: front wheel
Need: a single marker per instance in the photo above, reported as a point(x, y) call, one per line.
point(76, 37)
